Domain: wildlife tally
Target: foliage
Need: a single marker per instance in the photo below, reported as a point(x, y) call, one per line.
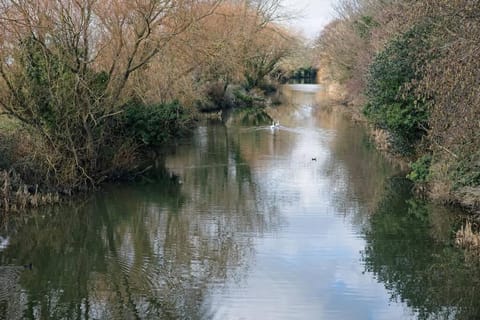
point(364, 26)
point(417, 63)
point(53, 103)
point(8, 130)
point(420, 169)
point(153, 125)
point(240, 45)
point(392, 102)
point(466, 172)
point(453, 82)
point(68, 69)
point(304, 73)
point(409, 249)
point(347, 45)
point(248, 99)
point(337, 47)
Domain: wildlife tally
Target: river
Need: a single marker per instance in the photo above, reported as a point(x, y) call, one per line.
point(305, 220)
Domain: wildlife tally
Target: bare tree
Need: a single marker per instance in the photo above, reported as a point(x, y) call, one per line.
point(65, 68)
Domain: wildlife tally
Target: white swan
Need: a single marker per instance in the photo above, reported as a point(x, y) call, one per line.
point(274, 125)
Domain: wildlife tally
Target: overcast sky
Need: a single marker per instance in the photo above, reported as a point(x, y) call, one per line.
point(314, 14)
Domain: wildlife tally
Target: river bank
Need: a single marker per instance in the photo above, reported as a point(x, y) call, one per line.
point(405, 69)
point(336, 97)
point(149, 132)
point(75, 114)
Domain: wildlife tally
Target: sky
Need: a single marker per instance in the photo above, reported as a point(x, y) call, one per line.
point(313, 15)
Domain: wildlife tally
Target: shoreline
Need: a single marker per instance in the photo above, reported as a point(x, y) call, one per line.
point(335, 97)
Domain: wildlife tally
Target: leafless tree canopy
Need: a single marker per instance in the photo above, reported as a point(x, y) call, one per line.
point(68, 68)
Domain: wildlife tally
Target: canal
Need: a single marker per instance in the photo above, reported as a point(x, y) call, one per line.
point(303, 220)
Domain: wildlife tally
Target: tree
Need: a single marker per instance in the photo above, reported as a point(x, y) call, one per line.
point(240, 43)
point(393, 104)
point(65, 72)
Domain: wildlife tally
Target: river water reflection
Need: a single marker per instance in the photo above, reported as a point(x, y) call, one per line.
point(302, 221)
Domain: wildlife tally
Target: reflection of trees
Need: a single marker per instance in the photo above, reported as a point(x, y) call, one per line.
point(407, 241)
point(219, 180)
point(290, 112)
point(431, 277)
point(145, 251)
point(10, 293)
point(357, 171)
point(249, 117)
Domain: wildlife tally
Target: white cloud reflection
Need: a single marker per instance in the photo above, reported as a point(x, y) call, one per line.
point(313, 268)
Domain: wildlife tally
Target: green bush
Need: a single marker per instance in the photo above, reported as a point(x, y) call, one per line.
point(392, 102)
point(466, 172)
point(420, 169)
point(153, 125)
point(245, 99)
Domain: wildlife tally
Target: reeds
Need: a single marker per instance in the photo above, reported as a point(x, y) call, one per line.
point(24, 197)
point(467, 238)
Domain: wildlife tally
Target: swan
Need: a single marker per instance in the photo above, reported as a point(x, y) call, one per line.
point(274, 125)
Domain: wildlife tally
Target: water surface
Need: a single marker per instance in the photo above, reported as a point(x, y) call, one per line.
point(302, 221)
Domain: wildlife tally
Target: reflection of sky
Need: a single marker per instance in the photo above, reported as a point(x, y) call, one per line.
point(311, 268)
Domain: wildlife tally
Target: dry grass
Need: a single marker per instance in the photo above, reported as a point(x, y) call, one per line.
point(15, 196)
point(17, 160)
point(8, 124)
point(382, 139)
point(440, 184)
point(469, 198)
point(467, 238)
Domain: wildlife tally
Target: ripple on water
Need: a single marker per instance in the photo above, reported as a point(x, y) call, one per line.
point(11, 291)
point(255, 230)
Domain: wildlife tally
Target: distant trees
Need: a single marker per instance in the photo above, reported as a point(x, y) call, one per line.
point(240, 44)
point(346, 47)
